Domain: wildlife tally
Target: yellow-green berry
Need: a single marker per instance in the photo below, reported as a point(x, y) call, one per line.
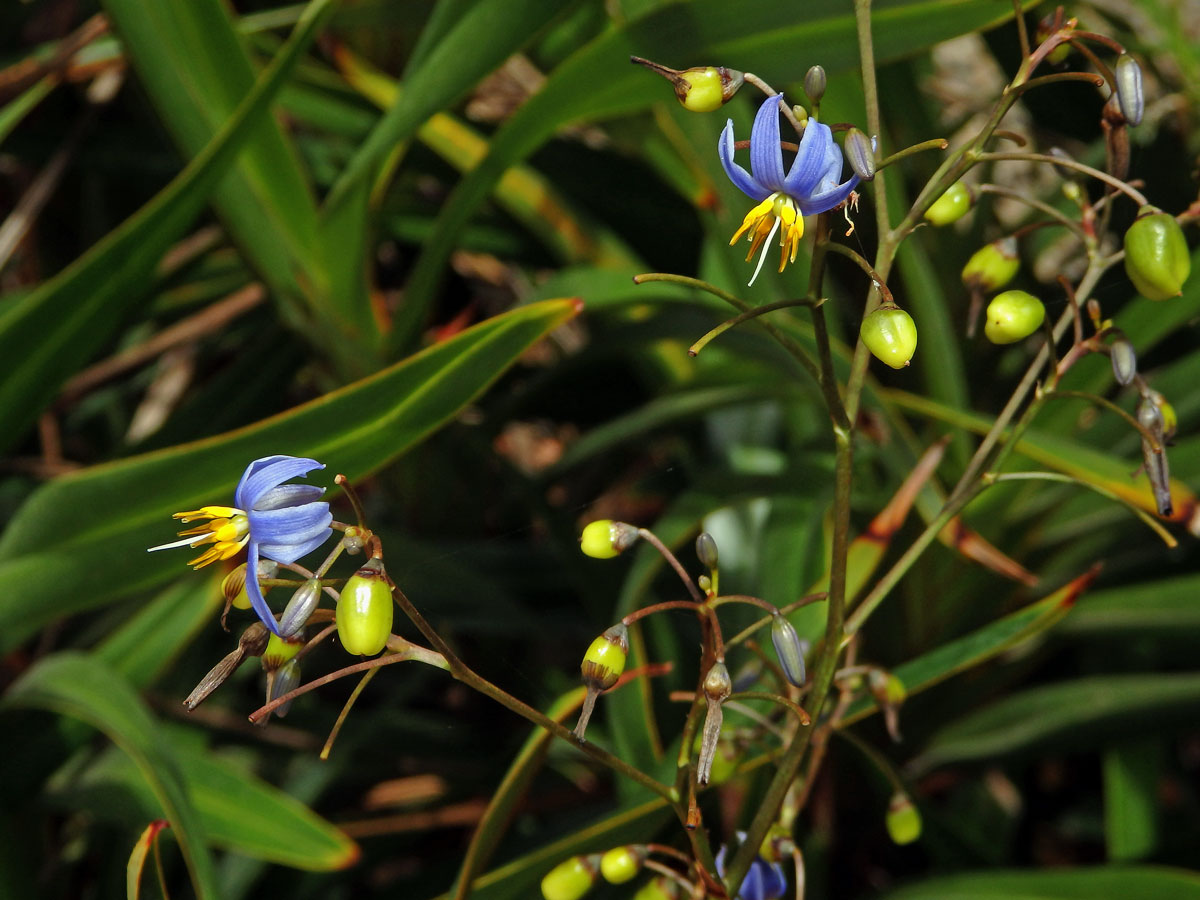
point(1012, 316)
point(992, 266)
point(903, 819)
point(570, 879)
point(890, 334)
point(604, 538)
point(622, 864)
point(364, 610)
point(660, 888)
point(955, 203)
point(1156, 255)
point(701, 88)
point(279, 651)
point(604, 660)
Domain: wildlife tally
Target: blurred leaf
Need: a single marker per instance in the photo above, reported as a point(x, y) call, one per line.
point(1164, 607)
point(78, 686)
point(1066, 714)
point(1096, 883)
point(1131, 784)
point(62, 323)
point(137, 859)
point(92, 528)
point(19, 106)
point(598, 81)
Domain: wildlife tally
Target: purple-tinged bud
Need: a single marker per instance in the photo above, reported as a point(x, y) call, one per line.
point(284, 680)
point(300, 607)
point(706, 550)
point(814, 83)
point(1129, 89)
point(1124, 360)
point(860, 154)
point(788, 649)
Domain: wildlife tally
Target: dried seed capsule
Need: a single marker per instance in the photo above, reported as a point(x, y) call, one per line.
point(300, 607)
point(1156, 255)
point(571, 878)
point(903, 819)
point(814, 83)
point(992, 266)
point(364, 610)
point(1129, 89)
point(622, 864)
point(951, 206)
point(890, 334)
point(1170, 421)
point(860, 154)
point(1012, 316)
point(717, 687)
point(1154, 458)
point(1124, 360)
point(787, 648)
point(604, 538)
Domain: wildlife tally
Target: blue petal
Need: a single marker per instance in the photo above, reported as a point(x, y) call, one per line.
point(290, 495)
point(720, 860)
point(811, 160)
point(752, 884)
point(289, 526)
point(828, 199)
point(774, 881)
point(289, 553)
point(270, 471)
point(741, 179)
point(766, 156)
point(254, 592)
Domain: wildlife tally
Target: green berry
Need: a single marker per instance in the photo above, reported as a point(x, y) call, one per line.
point(890, 334)
point(364, 610)
point(621, 864)
point(661, 888)
point(604, 660)
point(903, 819)
point(604, 538)
point(279, 651)
point(570, 879)
point(1012, 316)
point(992, 266)
point(951, 206)
point(1156, 255)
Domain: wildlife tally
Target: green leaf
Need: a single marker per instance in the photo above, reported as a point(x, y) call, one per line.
point(1067, 714)
point(1131, 780)
point(58, 326)
point(1096, 883)
point(78, 686)
point(80, 541)
point(1164, 607)
point(598, 81)
point(137, 859)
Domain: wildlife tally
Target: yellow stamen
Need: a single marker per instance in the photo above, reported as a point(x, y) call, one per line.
point(777, 210)
point(220, 550)
point(754, 217)
point(208, 512)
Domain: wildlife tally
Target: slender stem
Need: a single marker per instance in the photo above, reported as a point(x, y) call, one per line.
point(1137, 196)
point(341, 719)
point(465, 674)
point(1146, 433)
point(796, 708)
point(934, 144)
point(878, 760)
point(1039, 205)
point(876, 281)
point(1044, 80)
point(784, 610)
point(1022, 31)
point(743, 598)
point(746, 316)
point(351, 495)
point(652, 539)
point(657, 607)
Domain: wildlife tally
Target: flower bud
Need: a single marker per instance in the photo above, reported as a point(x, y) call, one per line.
point(364, 610)
point(860, 154)
point(660, 888)
point(283, 681)
point(300, 607)
point(1156, 255)
point(1124, 360)
point(571, 878)
point(604, 660)
point(814, 83)
point(992, 266)
point(622, 864)
point(279, 651)
point(706, 550)
point(890, 334)
point(787, 648)
point(700, 89)
point(1129, 88)
point(951, 206)
point(1012, 316)
point(604, 538)
point(903, 819)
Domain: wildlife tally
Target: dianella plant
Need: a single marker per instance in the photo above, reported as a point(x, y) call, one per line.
point(776, 470)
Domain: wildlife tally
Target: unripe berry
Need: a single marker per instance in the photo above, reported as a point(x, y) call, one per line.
point(279, 651)
point(903, 819)
point(951, 206)
point(992, 266)
point(700, 89)
point(570, 879)
point(1156, 255)
point(661, 888)
point(622, 864)
point(604, 538)
point(604, 660)
point(890, 334)
point(1012, 316)
point(364, 610)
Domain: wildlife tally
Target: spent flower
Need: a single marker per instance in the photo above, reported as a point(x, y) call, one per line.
point(764, 881)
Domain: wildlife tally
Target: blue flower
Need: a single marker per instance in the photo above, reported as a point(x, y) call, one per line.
point(809, 187)
point(764, 881)
point(278, 521)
